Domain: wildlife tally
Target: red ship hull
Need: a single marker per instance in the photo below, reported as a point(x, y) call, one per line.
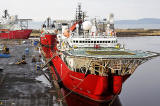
point(95, 87)
point(17, 34)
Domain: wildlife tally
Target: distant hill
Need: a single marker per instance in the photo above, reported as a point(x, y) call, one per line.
point(139, 21)
point(35, 24)
point(38, 24)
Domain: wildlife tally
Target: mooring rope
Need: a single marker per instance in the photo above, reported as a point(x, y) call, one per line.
point(73, 89)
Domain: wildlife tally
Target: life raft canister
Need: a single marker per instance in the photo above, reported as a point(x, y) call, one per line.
point(117, 84)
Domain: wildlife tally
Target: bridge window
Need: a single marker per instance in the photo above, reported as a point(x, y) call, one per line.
point(91, 41)
point(76, 41)
point(100, 41)
point(80, 41)
point(109, 41)
point(94, 41)
point(97, 41)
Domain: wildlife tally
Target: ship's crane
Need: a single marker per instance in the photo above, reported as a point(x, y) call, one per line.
point(5, 14)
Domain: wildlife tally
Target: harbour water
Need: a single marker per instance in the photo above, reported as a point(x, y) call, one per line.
point(142, 88)
point(22, 83)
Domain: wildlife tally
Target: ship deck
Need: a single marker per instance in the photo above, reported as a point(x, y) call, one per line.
point(110, 53)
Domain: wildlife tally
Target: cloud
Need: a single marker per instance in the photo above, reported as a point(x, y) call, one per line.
point(65, 9)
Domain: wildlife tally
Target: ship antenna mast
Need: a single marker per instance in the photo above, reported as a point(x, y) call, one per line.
point(5, 13)
point(79, 17)
point(48, 22)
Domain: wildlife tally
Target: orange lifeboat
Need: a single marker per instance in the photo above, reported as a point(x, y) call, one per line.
point(66, 33)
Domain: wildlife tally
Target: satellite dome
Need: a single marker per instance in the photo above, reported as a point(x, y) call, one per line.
point(87, 25)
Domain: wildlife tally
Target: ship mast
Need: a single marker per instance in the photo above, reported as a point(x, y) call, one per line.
point(5, 13)
point(48, 22)
point(79, 18)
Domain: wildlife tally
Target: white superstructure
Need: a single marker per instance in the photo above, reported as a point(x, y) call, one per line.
point(13, 22)
point(89, 37)
point(92, 41)
point(87, 34)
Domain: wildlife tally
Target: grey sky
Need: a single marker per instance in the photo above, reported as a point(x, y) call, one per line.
point(38, 10)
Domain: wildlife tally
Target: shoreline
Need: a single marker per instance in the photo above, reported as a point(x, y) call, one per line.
point(137, 32)
point(121, 32)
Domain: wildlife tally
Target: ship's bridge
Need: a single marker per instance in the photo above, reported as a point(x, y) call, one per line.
point(93, 41)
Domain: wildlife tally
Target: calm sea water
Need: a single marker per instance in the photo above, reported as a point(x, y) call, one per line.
point(143, 87)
